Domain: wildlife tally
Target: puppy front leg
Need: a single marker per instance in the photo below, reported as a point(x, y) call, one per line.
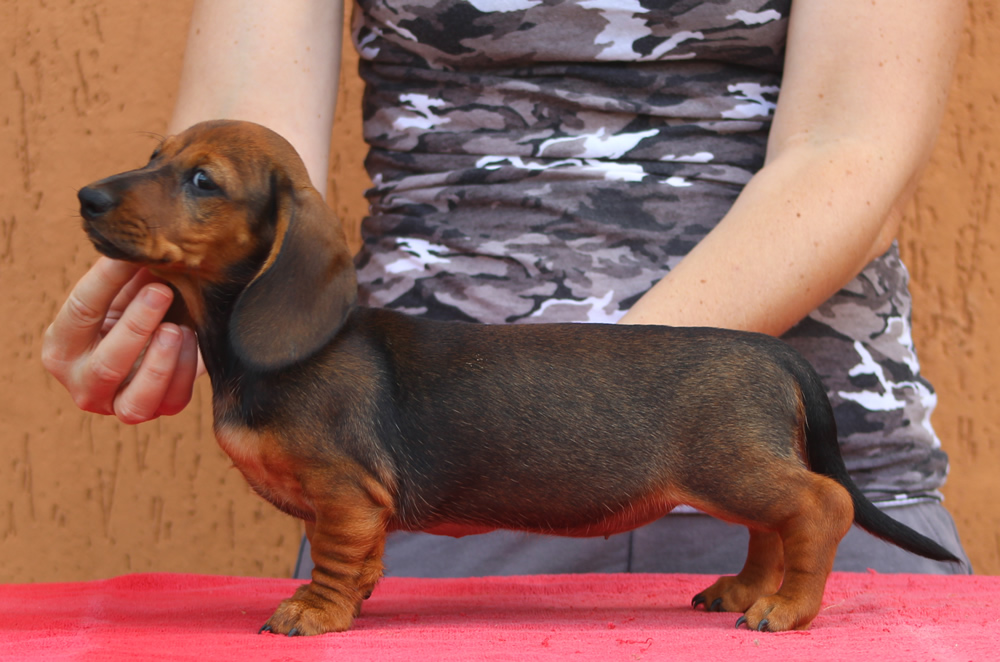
point(371, 572)
point(347, 540)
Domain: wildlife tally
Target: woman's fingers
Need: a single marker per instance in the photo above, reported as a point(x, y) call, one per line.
point(140, 399)
point(78, 325)
point(141, 278)
point(178, 393)
point(113, 360)
point(111, 350)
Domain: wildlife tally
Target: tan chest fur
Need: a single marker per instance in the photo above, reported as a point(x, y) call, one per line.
point(266, 468)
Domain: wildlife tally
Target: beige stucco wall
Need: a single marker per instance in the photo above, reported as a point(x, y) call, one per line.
point(84, 86)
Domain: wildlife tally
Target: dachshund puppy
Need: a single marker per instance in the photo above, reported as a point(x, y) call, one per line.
point(363, 421)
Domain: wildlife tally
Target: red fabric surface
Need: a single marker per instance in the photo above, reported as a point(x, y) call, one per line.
point(582, 617)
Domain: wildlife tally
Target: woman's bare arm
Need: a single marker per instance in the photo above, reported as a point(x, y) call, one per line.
point(861, 100)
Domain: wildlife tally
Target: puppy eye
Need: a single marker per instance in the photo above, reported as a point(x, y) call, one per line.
point(202, 181)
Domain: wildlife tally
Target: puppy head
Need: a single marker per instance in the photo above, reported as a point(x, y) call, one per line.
point(229, 205)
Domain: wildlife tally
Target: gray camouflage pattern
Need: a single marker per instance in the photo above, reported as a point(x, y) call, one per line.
point(549, 160)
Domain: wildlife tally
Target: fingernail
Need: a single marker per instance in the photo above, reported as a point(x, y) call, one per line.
point(155, 297)
point(168, 336)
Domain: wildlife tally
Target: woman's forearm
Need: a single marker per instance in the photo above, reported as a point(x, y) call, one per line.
point(861, 99)
point(274, 63)
point(800, 230)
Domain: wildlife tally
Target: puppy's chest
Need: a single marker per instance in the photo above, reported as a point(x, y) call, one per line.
point(268, 470)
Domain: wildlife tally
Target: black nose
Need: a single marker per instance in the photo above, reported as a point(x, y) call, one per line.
point(94, 202)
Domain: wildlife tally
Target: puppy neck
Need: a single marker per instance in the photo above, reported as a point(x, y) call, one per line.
point(241, 395)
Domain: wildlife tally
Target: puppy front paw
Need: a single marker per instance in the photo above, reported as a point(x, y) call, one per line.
point(306, 614)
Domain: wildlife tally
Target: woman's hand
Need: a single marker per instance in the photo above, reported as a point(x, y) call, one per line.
point(109, 347)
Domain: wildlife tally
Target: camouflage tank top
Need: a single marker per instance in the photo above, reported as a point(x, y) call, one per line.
point(549, 160)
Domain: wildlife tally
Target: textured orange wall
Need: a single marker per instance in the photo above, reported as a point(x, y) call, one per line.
point(951, 242)
point(84, 84)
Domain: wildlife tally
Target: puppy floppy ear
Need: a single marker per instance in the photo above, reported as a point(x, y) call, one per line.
point(300, 298)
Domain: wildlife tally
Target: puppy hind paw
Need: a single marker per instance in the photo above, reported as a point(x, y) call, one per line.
point(727, 594)
point(700, 600)
point(742, 620)
point(775, 613)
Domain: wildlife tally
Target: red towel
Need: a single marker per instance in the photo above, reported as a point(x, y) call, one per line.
point(570, 617)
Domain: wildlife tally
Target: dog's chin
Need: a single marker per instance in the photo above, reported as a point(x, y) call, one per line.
point(110, 249)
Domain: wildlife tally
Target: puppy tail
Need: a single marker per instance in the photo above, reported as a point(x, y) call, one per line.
point(823, 453)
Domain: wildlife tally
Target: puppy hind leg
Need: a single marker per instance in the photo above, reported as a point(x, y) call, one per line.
point(810, 538)
point(761, 575)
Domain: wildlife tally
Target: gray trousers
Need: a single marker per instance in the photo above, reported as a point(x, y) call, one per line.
point(678, 543)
